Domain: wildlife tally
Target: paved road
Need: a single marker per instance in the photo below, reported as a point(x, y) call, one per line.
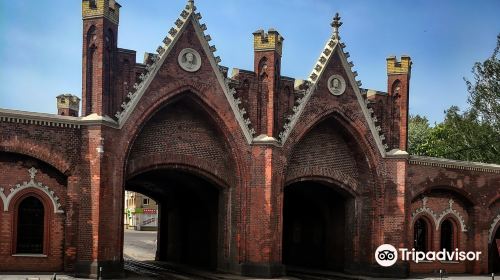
point(139, 245)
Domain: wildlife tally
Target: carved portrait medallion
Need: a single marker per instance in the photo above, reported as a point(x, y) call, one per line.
point(336, 84)
point(189, 60)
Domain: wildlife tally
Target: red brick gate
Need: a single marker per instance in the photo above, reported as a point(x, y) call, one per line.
point(252, 170)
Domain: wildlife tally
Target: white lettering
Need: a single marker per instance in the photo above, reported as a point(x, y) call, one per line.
point(462, 256)
point(404, 254)
point(430, 256)
point(471, 256)
point(441, 255)
point(420, 256)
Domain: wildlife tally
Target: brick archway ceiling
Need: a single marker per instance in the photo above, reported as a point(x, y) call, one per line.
point(159, 183)
point(188, 15)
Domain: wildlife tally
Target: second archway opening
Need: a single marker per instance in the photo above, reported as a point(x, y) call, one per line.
point(315, 226)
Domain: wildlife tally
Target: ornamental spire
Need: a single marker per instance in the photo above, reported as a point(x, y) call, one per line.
point(32, 172)
point(336, 24)
point(190, 4)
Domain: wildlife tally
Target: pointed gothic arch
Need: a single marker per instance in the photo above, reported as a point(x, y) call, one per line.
point(187, 95)
point(423, 228)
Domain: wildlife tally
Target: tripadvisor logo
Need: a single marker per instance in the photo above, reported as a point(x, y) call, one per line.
point(387, 255)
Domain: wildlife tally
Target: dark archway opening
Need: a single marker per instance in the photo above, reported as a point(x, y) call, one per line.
point(314, 226)
point(495, 252)
point(188, 215)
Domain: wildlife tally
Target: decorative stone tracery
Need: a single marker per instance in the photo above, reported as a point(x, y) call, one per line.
point(31, 184)
point(334, 45)
point(438, 218)
point(493, 226)
point(187, 15)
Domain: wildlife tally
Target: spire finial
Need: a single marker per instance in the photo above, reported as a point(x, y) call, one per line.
point(32, 172)
point(191, 4)
point(450, 202)
point(336, 24)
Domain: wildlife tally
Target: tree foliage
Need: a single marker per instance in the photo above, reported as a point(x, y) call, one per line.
point(484, 92)
point(472, 135)
point(418, 136)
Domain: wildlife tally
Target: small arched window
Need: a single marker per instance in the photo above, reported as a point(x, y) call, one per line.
point(263, 69)
point(396, 89)
point(30, 226)
point(110, 39)
point(447, 235)
point(91, 35)
point(421, 236)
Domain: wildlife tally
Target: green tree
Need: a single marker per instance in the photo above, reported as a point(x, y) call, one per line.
point(484, 91)
point(473, 135)
point(419, 131)
point(463, 136)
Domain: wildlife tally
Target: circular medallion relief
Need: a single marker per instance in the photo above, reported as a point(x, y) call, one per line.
point(189, 60)
point(336, 84)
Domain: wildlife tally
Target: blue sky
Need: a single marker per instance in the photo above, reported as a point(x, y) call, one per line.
point(40, 42)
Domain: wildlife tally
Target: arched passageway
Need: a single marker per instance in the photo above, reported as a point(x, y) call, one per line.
point(188, 219)
point(495, 251)
point(315, 226)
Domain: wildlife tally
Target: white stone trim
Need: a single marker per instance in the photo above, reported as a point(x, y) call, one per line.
point(453, 212)
point(334, 45)
point(455, 164)
point(44, 119)
point(31, 184)
point(397, 153)
point(316, 73)
point(3, 197)
point(493, 225)
point(439, 218)
point(424, 209)
point(228, 92)
point(22, 117)
point(152, 70)
point(368, 113)
point(30, 256)
point(187, 15)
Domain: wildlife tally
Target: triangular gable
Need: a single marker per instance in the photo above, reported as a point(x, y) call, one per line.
point(187, 15)
point(334, 45)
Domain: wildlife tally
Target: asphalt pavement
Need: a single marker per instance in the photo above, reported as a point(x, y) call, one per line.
point(139, 245)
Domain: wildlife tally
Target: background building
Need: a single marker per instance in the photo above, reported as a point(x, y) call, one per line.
point(141, 212)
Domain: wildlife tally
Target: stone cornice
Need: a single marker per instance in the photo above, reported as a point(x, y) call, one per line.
point(44, 119)
point(455, 164)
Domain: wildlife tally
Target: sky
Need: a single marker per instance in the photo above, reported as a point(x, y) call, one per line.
point(41, 42)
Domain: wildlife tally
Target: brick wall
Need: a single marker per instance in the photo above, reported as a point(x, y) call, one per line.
point(185, 122)
point(333, 156)
point(475, 194)
point(15, 171)
point(184, 129)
